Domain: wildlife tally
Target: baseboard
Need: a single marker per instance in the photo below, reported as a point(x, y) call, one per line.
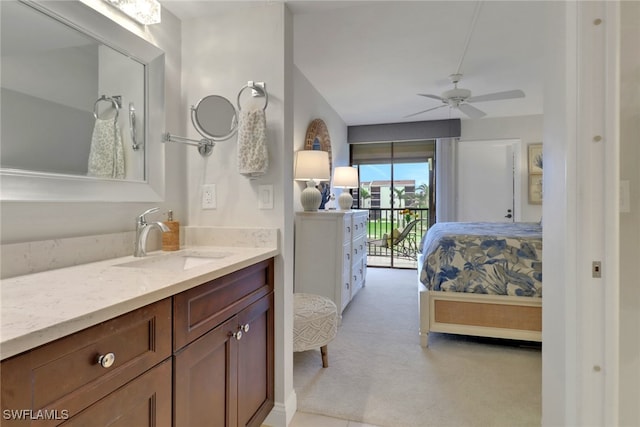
point(282, 414)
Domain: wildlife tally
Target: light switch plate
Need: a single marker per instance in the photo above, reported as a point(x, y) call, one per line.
point(265, 196)
point(209, 196)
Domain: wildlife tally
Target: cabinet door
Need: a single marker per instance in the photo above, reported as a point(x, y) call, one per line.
point(143, 402)
point(205, 382)
point(255, 362)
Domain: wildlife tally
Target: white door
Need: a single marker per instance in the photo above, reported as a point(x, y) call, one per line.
point(485, 181)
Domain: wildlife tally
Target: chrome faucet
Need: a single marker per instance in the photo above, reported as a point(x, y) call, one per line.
point(142, 231)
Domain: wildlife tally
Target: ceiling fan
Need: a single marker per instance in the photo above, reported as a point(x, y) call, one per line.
point(461, 98)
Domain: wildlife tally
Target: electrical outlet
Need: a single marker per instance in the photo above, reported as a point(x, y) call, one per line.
point(209, 196)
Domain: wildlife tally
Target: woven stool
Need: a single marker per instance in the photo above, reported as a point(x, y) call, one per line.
point(315, 323)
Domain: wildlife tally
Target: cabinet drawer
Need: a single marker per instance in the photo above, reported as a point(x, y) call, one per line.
point(347, 229)
point(143, 402)
point(359, 247)
point(66, 375)
point(359, 226)
point(202, 308)
point(346, 256)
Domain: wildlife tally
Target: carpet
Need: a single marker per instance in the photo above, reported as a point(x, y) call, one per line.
point(379, 374)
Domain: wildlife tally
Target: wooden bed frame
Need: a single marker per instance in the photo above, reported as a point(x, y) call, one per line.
point(496, 316)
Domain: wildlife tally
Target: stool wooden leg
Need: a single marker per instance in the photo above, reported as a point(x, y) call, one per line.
point(325, 356)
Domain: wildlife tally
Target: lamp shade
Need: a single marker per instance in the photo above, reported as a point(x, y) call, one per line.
point(345, 177)
point(311, 165)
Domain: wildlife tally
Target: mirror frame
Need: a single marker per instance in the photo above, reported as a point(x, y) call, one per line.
point(204, 132)
point(19, 185)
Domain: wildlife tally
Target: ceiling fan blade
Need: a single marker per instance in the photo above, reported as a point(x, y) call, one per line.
point(471, 111)
point(509, 94)
point(424, 111)
point(431, 96)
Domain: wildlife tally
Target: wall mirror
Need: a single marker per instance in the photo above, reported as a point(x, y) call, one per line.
point(317, 138)
point(214, 117)
point(73, 80)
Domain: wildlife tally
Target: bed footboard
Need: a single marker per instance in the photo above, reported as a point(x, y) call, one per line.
point(496, 316)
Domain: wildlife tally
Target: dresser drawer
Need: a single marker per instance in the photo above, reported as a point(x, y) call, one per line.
point(198, 310)
point(359, 225)
point(359, 247)
point(347, 229)
point(66, 374)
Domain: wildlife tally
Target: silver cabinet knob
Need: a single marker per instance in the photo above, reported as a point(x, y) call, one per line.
point(242, 328)
point(106, 360)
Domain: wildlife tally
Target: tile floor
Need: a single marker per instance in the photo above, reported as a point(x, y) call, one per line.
point(302, 419)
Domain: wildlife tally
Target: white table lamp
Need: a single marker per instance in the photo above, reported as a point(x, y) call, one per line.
point(345, 177)
point(311, 166)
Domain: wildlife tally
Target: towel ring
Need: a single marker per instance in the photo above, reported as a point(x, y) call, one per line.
point(259, 89)
point(116, 102)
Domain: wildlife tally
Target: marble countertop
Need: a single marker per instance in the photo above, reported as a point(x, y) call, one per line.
point(42, 307)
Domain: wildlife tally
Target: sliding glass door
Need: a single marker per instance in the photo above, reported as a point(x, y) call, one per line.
point(397, 187)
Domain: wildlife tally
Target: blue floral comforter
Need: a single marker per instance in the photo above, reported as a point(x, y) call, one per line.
point(483, 257)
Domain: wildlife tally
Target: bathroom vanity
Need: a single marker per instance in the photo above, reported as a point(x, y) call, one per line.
point(172, 343)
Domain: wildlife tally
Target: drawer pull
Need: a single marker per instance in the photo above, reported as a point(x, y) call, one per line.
point(237, 335)
point(106, 360)
point(245, 327)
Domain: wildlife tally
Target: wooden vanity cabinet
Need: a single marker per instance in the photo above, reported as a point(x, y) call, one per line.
point(223, 364)
point(218, 370)
point(64, 382)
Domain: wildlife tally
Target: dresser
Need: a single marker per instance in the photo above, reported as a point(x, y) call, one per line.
point(331, 254)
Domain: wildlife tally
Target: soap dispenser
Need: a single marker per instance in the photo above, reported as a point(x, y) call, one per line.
point(171, 238)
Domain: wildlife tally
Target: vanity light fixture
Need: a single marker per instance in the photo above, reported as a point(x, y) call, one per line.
point(345, 177)
point(311, 166)
point(145, 12)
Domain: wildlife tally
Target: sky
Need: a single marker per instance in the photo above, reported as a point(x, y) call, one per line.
point(417, 171)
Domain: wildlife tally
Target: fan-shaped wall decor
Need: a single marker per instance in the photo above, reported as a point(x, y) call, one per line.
point(317, 138)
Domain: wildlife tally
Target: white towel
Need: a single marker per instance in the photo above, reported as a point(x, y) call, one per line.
point(253, 158)
point(106, 157)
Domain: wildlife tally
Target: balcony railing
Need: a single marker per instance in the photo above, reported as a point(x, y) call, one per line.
point(381, 226)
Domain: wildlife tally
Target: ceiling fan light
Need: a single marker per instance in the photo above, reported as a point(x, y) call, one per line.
point(457, 94)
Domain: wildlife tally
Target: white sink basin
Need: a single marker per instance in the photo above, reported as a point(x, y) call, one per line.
point(177, 261)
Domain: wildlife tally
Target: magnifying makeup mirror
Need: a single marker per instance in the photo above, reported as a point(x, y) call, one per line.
point(214, 117)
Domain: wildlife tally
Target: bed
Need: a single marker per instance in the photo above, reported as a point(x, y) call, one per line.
point(482, 279)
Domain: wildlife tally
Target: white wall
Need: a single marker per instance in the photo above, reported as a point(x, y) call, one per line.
point(528, 129)
point(630, 221)
point(220, 54)
point(310, 105)
point(31, 221)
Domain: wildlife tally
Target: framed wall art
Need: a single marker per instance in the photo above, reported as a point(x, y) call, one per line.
point(535, 158)
point(535, 173)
